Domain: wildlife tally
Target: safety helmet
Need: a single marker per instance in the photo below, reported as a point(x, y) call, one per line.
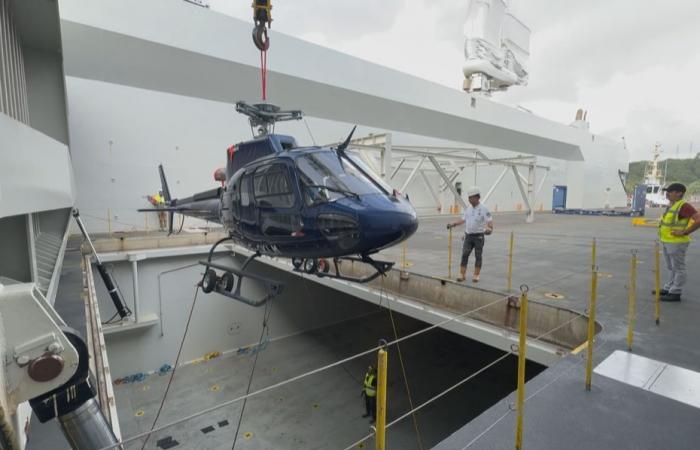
point(474, 190)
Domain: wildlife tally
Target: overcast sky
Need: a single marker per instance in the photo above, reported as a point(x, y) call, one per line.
point(633, 64)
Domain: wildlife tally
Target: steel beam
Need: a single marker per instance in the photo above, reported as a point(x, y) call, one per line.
point(430, 188)
point(447, 181)
point(495, 184)
point(523, 192)
point(413, 174)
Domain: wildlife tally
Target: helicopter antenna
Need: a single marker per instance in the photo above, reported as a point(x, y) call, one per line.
point(341, 148)
point(263, 116)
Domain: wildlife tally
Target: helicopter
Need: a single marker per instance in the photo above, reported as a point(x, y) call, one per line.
point(314, 205)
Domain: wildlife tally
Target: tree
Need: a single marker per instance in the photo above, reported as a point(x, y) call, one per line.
point(694, 188)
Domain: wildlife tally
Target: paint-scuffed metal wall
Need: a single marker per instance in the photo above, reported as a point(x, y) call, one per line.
point(13, 84)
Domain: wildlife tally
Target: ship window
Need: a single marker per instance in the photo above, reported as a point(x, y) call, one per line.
point(272, 187)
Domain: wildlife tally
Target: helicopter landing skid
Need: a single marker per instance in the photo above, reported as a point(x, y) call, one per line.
point(321, 268)
point(230, 282)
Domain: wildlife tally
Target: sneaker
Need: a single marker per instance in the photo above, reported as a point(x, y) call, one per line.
point(365, 415)
point(671, 298)
point(475, 278)
point(661, 292)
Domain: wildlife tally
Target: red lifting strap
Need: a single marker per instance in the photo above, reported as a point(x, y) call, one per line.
point(263, 73)
point(230, 152)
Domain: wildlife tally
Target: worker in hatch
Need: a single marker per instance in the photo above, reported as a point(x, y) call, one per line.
point(479, 223)
point(370, 393)
point(674, 231)
point(159, 202)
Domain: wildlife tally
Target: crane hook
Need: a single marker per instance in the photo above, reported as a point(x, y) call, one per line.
point(262, 16)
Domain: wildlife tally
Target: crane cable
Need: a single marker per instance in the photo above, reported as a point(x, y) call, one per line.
point(262, 16)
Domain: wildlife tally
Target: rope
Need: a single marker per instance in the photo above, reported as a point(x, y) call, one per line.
point(309, 130)
point(403, 367)
point(459, 383)
point(265, 332)
point(326, 367)
point(172, 374)
point(604, 343)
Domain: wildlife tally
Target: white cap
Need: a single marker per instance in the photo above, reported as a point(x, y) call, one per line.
point(474, 190)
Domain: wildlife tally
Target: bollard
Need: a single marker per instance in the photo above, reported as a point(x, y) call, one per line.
point(591, 328)
point(380, 441)
point(657, 283)
point(593, 255)
point(449, 254)
point(632, 300)
point(521, 367)
point(510, 262)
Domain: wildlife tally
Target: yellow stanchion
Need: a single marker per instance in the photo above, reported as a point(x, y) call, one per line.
point(591, 328)
point(380, 441)
point(449, 253)
point(109, 221)
point(510, 262)
point(521, 368)
point(657, 283)
point(403, 255)
point(593, 255)
point(632, 300)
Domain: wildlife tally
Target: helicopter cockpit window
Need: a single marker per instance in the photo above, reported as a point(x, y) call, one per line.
point(272, 187)
point(325, 178)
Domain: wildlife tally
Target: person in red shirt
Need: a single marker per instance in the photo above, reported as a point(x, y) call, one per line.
point(675, 227)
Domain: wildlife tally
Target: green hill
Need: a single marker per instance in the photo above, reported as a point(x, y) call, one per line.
point(686, 171)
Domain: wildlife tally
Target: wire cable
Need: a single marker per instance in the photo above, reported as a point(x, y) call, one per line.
point(172, 374)
point(328, 366)
point(403, 367)
point(265, 332)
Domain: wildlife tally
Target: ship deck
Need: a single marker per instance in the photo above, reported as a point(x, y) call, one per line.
point(551, 256)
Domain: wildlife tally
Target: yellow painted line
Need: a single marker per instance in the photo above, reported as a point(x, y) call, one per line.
point(580, 348)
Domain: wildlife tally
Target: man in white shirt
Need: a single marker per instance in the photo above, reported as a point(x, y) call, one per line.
point(479, 223)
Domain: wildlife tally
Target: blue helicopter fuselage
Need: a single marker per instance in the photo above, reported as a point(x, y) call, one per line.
point(309, 202)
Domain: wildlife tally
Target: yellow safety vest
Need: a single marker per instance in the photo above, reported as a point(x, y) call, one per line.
point(159, 199)
point(670, 222)
point(370, 391)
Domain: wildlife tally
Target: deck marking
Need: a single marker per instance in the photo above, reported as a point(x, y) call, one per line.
point(664, 379)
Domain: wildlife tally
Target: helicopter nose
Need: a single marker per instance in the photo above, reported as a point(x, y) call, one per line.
point(388, 228)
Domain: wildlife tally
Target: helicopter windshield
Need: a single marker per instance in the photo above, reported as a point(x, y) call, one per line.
point(326, 177)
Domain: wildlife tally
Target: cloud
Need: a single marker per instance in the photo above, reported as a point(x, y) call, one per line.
point(632, 64)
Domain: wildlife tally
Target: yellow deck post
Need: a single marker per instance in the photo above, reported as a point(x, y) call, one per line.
point(449, 253)
point(403, 256)
point(593, 255)
point(522, 345)
point(380, 441)
point(632, 300)
point(510, 262)
point(657, 282)
point(591, 328)
point(109, 221)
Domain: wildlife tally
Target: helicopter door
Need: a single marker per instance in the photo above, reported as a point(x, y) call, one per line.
point(275, 198)
point(246, 211)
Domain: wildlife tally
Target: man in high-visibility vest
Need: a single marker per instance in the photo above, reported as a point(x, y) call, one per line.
point(158, 201)
point(370, 393)
point(674, 230)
